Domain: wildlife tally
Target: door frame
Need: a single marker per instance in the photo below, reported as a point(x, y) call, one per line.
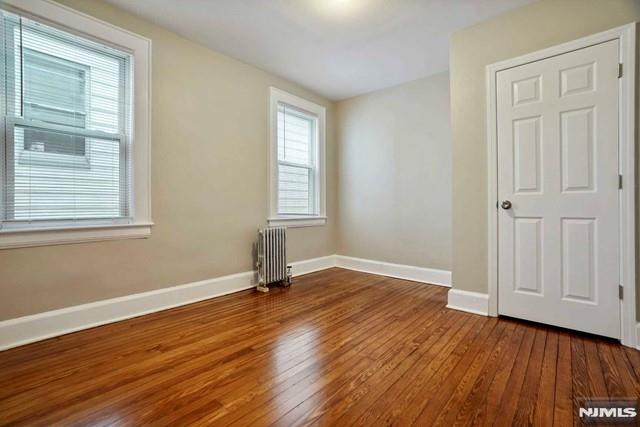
point(626, 35)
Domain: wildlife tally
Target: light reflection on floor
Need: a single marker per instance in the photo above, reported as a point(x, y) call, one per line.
point(286, 363)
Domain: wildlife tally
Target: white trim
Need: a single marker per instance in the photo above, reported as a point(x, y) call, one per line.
point(62, 236)
point(301, 221)
point(140, 49)
point(638, 336)
point(471, 302)
point(279, 96)
point(37, 327)
point(27, 329)
point(298, 268)
point(627, 36)
point(627, 131)
point(400, 271)
point(492, 192)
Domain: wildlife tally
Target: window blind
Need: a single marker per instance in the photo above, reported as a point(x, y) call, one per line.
point(66, 147)
point(296, 132)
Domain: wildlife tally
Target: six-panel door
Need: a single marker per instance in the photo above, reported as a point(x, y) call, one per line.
point(558, 166)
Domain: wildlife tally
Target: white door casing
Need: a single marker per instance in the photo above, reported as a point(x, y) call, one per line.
point(557, 149)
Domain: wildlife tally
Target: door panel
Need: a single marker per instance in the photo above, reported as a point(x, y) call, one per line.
point(576, 139)
point(558, 166)
point(526, 152)
point(578, 259)
point(528, 251)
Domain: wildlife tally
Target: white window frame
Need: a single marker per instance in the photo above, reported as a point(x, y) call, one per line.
point(139, 47)
point(276, 97)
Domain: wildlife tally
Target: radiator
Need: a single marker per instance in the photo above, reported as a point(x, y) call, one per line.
point(272, 257)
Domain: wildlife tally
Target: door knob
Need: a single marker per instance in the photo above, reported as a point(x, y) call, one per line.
point(506, 204)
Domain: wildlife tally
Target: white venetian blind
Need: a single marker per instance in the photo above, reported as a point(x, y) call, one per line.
point(67, 146)
point(296, 161)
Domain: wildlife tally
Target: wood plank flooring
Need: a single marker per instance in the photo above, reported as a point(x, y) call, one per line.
point(337, 348)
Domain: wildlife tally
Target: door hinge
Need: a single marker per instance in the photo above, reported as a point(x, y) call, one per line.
point(620, 292)
point(620, 70)
point(619, 182)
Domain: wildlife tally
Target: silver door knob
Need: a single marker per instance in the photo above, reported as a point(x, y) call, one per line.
point(506, 204)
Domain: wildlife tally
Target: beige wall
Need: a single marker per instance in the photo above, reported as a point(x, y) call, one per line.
point(209, 171)
point(395, 174)
point(209, 166)
point(533, 27)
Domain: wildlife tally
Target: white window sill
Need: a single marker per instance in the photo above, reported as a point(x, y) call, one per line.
point(60, 236)
point(298, 221)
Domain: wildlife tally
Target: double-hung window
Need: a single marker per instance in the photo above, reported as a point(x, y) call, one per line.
point(69, 152)
point(296, 161)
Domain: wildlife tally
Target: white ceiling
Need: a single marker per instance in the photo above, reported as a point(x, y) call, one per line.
point(338, 48)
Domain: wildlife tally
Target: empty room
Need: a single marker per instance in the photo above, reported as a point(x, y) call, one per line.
point(319, 212)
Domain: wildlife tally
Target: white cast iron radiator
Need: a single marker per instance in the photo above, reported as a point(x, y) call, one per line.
point(272, 257)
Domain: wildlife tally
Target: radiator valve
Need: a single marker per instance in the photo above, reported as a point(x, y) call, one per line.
point(289, 275)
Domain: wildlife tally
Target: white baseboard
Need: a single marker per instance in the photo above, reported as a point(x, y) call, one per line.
point(36, 327)
point(28, 329)
point(307, 266)
point(471, 302)
point(400, 271)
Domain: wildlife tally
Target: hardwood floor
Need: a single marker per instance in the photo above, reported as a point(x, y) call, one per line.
point(337, 348)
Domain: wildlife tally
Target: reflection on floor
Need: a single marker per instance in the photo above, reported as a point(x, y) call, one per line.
point(337, 348)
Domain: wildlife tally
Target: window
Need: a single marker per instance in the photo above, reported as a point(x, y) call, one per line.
point(297, 161)
point(69, 152)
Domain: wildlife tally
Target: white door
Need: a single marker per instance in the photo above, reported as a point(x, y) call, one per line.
point(558, 170)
